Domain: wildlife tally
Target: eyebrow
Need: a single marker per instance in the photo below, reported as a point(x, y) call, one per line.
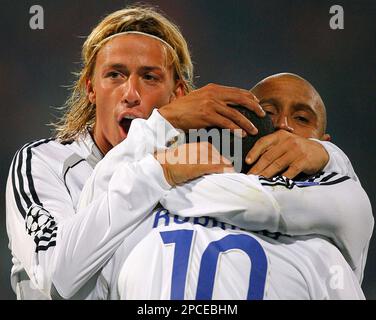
point(124, 67)
point(272, 101)
point(305, 107)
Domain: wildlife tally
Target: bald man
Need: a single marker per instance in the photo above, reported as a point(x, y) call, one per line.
point(299, 149)
point(298, 112)
point(293, 104)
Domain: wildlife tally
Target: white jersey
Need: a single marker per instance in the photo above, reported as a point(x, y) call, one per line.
point(201, 258)
point(56, 247)
point(60, 246)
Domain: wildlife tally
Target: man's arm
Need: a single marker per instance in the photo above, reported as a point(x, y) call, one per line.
point(232, 198)
point(338, 161)
point(123, 188)
point(56, 243)
point(287, 154)
point(331, 205)
point(61, 248)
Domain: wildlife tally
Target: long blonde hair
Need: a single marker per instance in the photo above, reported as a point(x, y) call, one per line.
point(79, 112)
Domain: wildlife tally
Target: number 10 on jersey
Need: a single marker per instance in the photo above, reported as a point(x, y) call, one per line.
point(208, 265)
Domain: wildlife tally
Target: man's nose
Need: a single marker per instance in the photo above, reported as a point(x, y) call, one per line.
point(283, 123)
point(132, 95)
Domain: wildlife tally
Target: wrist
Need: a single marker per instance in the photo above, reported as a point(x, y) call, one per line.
point(324, 155)
point(165, 114)
point(161, 158)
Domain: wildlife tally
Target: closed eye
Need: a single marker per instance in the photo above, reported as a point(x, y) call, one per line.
point(269, 112)
point(269, 109)
point(302, 119)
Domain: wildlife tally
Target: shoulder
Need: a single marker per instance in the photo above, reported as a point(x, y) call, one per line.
point(43, 150)
point(48, 153)
point(51, 149)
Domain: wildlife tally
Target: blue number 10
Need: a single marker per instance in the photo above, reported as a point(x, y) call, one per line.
point(183, 241)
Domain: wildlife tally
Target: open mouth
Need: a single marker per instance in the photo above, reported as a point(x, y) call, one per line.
point(125, 123)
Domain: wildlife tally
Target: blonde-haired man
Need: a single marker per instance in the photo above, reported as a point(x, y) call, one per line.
point(135, 61)
point(136, 65)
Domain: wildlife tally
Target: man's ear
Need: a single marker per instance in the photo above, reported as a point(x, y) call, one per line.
point(326, 137)
point(90, 91)
point(178, 91)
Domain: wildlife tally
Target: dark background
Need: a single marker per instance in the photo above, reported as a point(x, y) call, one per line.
point(233, 43)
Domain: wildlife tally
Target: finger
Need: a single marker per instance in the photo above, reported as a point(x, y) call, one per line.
point(273, 157)
point(294, 169)
point(249, 104)
point(260, 147)
point(227, 91)
point(253, 95)
point(218, 120)
point(278, 165)
point(236, 96)
point(236, 117)
point(247, 93)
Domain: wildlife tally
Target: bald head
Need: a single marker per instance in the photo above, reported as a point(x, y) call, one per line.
point(292, 102)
